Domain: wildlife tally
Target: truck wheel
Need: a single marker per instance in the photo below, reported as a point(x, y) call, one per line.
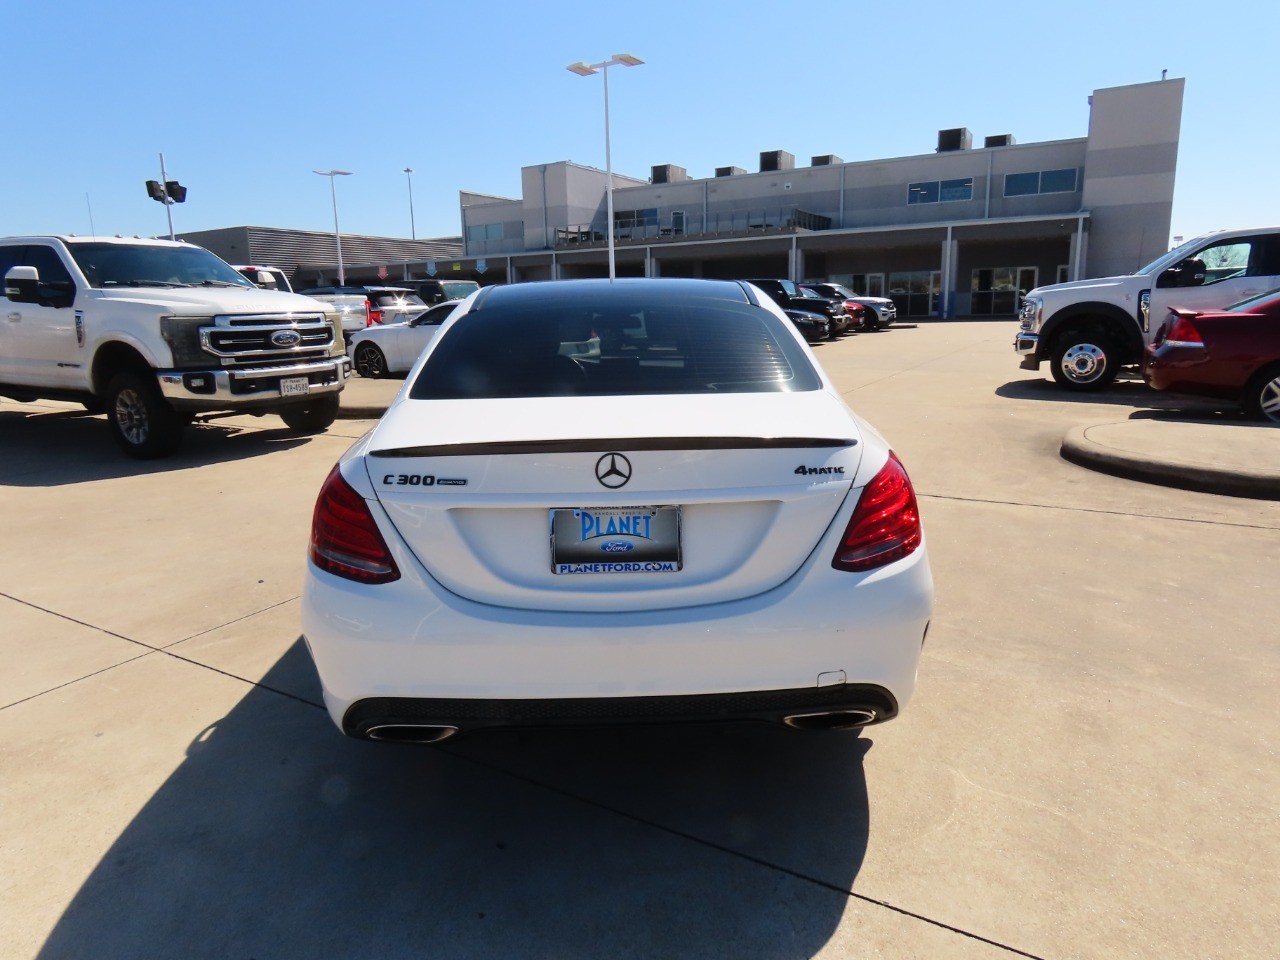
point(1262, 396)
point(144, 425)
point(1084, 360)
point(370, 363)
point(311, 417)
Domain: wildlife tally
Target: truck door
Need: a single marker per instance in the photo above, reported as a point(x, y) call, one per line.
point(1215, 276)
point(43, 346)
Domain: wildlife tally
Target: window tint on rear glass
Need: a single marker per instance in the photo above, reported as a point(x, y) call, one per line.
point(539, 350)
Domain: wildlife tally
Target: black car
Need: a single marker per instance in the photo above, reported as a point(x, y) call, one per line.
point(814, 326)
point(790, 297)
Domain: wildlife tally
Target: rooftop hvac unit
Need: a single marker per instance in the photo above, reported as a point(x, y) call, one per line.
point(826, 160)
point(1000, 140)
point(729, 171)
point(668, 173)
point(958, 139)
point(771, 160)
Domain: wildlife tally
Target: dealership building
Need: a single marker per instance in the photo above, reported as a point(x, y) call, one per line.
point(955, 232)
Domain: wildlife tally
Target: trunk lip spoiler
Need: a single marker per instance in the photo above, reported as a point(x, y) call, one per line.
point(612, 444)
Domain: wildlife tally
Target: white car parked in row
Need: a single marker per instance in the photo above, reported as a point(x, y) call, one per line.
point(393, 347)
point(683, 523)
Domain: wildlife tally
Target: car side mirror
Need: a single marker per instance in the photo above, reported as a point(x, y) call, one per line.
point(22, 284)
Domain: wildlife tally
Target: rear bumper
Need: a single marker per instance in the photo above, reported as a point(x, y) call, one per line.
point(364, 718)
point(1188, 369)
point(413, 645)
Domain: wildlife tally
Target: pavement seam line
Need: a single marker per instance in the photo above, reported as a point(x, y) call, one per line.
point(1109, 513)
point(150, 650)
point(230, 622)
point(750, 858)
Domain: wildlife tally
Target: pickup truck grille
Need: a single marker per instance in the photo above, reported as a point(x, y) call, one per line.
point(258, 340)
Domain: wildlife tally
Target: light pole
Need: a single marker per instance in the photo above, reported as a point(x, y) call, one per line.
point(413, 230)
point(583, 69)
point(337, 237)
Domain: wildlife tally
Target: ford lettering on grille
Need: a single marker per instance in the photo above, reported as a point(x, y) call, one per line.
point(286, 338)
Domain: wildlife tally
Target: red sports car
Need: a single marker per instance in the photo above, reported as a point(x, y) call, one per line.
point(1232, 354)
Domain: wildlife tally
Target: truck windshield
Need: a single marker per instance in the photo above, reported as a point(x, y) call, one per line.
point(1169, 259)
point(144, 265)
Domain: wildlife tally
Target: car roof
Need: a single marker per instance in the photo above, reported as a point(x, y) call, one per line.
point(603, 292)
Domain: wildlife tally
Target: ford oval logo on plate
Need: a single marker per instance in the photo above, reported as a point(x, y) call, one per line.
point(616, 546)
point(286, 338)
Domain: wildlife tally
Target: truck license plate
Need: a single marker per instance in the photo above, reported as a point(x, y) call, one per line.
point(294, 387)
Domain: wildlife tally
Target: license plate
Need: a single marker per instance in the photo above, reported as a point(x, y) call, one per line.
point(294, 387)
point(591, 540)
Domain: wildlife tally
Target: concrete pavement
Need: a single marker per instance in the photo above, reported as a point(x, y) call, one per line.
point(1087, 769)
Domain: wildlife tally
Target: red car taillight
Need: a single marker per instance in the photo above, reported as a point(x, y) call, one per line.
point(885, 526)
point(1184, 332)
point(345, 540)
point(374, 314)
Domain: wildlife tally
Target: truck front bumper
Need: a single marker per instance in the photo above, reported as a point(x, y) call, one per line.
point(1027, 346)
point(253, 386)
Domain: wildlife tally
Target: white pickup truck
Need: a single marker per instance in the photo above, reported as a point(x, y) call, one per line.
point(1089, 329)
point(153, 332)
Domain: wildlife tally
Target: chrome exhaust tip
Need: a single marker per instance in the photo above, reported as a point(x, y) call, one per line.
point(410, 733)
point(831, 719)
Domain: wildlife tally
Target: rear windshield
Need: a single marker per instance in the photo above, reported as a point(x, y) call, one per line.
point(459, 289)
point(391, 298)
point(537, 350)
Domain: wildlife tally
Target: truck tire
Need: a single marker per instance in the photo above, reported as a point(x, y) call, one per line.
point(312, 417)
point(369, 361)
point(143, 423)
point(1084, 359)
point(1262, 396)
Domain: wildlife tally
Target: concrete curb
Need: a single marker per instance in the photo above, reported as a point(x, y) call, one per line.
point(1077, 448)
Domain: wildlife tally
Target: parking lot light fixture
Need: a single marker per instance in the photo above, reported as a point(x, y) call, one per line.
point(584, 69)
point(413, 229)
point(337, 235)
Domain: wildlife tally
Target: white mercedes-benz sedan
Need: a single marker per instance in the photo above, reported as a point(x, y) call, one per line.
point(683, 522)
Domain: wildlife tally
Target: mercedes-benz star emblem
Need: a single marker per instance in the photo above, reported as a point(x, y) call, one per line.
point(613, 470)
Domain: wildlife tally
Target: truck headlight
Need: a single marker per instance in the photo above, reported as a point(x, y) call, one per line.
point(182, 334)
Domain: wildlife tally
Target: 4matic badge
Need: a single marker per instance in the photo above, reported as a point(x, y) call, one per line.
point(803, 471)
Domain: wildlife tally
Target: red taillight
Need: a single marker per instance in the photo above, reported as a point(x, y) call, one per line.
point(1184, 332)
point(345, 540)
point(372, 314)
point(885, 526)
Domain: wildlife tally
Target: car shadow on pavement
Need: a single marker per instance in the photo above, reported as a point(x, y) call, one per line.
point(1124, 392)
point(277, 837)
point(1206, 412)
point(51, 448)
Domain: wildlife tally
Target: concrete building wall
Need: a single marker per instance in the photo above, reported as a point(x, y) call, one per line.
point(1129, 173)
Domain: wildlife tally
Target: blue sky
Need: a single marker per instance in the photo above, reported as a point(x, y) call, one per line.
point(246, 99)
